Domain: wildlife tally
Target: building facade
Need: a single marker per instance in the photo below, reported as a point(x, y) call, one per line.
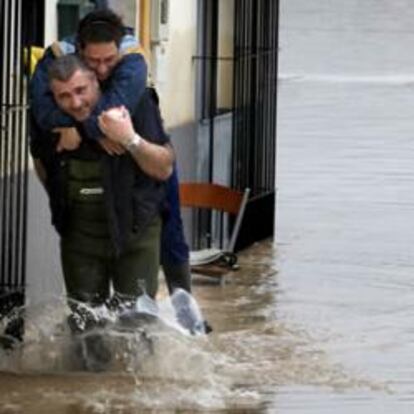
point(214, 64)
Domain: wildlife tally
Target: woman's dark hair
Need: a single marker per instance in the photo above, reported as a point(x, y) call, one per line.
point(100, 26)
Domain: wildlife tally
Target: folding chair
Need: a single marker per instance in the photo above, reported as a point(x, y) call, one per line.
point(219, 259)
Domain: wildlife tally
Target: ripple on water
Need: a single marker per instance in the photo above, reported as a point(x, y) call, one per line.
point(279, 355)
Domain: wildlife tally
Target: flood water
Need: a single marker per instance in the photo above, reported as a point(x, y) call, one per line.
point(344, 250)
point(319, 321)
point(261, 358)
point(345, 199)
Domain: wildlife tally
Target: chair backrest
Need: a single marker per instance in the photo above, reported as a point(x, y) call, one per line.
point(216, 197)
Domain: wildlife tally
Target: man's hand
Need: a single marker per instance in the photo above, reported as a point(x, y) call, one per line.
point(111, 147)
point(155, 160)
point(69, 139)
point(117, 125)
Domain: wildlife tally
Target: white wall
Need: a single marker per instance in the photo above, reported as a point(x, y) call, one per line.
point(174, 73)
point(225, 49)
point(50, 21)
point(174, 70)
point(128, 10)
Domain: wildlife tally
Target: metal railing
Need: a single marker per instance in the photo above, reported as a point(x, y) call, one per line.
point(255, 95)
point(17, 32)
point(253, 105)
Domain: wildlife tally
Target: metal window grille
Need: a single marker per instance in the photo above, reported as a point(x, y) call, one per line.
point(255, 95)
point(19, 29)
point(254, 61)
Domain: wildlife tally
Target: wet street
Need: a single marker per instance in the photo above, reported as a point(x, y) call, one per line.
point(308, 325)
point(344, 239)
point(345, 197)
point(320, 320)
point(345, 200)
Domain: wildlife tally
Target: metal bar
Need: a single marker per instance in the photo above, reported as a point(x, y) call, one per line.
point(241, 56)
point(264, 174)
point(236, 82)
point(268, 87)
point(5, 149)
point(264, 87)
point(204, 74)
point(219, 228)
point(9, 145)
point(250, 103)
point(252, 107)
point(213, 85)
point(14, 35)
point(36, 20)
point(9, 152)
point(14, 137)
point(243, 164)
point(2, 131)
point(271, 116)
point(2, 137)
point(22, 134)
point(237, 224)
point(243, 87)
point(271, 86)
point(19, 138)
point(11, 132)
point(209, 57)
point(257, 142)
point(274, 80)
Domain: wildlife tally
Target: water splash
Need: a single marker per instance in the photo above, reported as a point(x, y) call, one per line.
point(161, 365)
point(130, 334)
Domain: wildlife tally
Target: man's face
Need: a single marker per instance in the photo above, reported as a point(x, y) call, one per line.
point(101, 58)
point(78, 95)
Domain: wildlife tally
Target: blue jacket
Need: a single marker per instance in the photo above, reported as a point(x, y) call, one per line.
point(133, 198)
point(127, 85)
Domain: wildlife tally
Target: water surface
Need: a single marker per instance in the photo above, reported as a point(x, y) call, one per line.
point(321, 320)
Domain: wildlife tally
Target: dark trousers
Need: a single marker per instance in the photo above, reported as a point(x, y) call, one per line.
point(90, 266)
point(174, 248)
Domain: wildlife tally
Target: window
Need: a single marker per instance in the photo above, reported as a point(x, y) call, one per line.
point(216, 57)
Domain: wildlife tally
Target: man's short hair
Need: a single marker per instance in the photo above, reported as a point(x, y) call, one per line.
point(64, 67)
point(100, 26)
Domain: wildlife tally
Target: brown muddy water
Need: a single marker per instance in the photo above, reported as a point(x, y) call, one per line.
point(321, 320)
point(259, 359)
